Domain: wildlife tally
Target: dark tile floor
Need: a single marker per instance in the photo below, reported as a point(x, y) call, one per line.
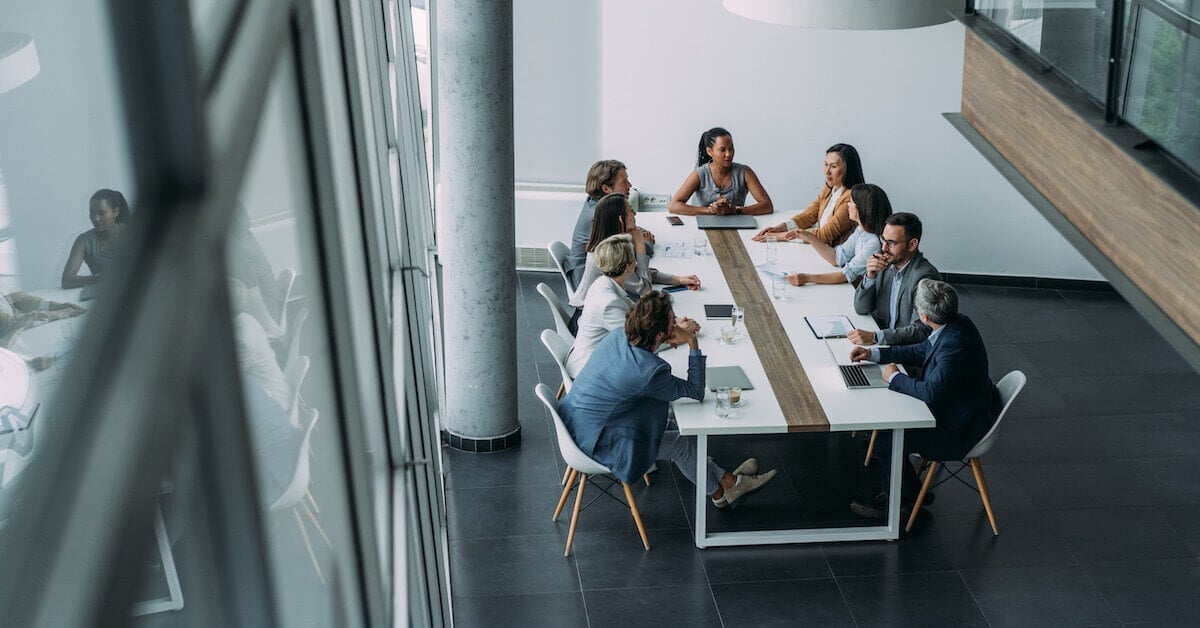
point(1095, 481)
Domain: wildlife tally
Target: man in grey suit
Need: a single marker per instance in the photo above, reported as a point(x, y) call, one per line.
point(886, 291)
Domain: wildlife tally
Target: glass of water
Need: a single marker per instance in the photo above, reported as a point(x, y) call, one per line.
point(723, 403)
point(738, 317)
point(779, 288)
point(700, 245)
point(772, 250)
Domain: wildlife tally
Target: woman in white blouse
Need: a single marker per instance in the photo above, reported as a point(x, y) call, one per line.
point(827, 216)
point(869, 208)
point(606, 303)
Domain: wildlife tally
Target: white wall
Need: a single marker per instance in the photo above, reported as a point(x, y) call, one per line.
point(673, 68)
point(556, 54)
point(61, 134)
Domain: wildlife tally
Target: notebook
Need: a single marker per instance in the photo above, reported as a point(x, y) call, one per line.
point(730, 376)
point(829, 326)
point(726, 222)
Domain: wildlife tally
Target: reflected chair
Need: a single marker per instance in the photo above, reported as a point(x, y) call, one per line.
point(559, 252)
point(1010, 385)
point(290, 349)
point(558, 312)
point(581, 466)
point(283, 287)
point(295, 374)
point(293, 496)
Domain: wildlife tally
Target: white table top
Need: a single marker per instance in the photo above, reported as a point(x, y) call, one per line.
point(846, 409)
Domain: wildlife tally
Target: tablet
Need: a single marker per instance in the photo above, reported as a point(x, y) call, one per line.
point(731, 376)
point(718, 310)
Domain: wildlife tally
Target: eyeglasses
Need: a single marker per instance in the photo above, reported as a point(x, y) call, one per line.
point(887, 244)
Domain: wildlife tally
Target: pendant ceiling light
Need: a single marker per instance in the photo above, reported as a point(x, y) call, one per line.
point(847, 14)
point(18, 60)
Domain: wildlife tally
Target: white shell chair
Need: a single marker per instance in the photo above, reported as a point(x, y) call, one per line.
point(559, 252)
point(1010, 385)
point(581, 466)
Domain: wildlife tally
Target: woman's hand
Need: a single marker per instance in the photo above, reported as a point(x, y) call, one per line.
point(803, 235)
point(762, 236)
point(799, 279)
point(691, 281)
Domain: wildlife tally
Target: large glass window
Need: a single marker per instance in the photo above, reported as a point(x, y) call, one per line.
point(1164, 79)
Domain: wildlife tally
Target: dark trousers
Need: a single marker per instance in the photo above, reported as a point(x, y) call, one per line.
point(910, 484)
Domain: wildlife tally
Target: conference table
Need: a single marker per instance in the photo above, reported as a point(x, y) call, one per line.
point(797, 386)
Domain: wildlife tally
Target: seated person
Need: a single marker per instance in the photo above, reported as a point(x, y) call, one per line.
point(614, 215)
point(603, 178)
point(886, 290)
point(21, 310)
point(96, 247)
point(255, 355)
point(869, 209)
point(617, 410)
point(828, 216)
point(720, 185)
point(955, 386)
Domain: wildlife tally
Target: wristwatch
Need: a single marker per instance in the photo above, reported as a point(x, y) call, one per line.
point(737, 210)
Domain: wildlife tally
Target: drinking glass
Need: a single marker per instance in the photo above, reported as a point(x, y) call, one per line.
point(779, 288)
point(723, 406)
point(738, 318)
point(728, 334)
point(700, 245)
point(772, 250)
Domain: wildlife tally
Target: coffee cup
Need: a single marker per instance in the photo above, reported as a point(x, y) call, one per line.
point(735, 396)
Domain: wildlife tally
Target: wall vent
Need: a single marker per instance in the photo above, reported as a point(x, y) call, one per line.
point(534, 258)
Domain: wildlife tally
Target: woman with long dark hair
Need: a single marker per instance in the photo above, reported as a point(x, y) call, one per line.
point(109, 212)
point(828, 216)
point(869, 209)
point(720, 185)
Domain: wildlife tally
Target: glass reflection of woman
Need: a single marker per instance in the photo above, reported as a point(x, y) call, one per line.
point(109, 212)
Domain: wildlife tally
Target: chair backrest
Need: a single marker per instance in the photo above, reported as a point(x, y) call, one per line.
point(557, 312)
point(298, 486)
point(283, 287)
point(559, 252)
point(571, 453)
point(295, 374)
point(291, 345)
point(1009, 386)
point(558, 349)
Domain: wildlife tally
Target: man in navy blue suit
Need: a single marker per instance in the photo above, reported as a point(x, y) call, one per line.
point(955, 385)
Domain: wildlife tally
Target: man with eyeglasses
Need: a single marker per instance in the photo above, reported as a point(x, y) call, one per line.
point(887, 288)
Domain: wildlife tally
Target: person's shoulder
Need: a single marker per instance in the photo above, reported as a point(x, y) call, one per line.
point(926, 267)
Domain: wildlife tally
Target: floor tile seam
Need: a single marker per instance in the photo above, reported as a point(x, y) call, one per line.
point(841, 592)
point(859, 576)
point(1095, 588)
point(805, 579)
point(978, 606)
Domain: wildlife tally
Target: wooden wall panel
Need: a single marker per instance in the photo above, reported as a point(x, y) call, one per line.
point(1149, 231)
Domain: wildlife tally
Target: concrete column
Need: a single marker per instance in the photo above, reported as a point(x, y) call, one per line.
point(476, 228)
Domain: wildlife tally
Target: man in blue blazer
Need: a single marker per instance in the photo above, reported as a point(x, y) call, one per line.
point(617, 408)
point(955, 385)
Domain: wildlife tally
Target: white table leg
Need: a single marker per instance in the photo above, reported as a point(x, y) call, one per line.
point(701, 494)
point(894, 496)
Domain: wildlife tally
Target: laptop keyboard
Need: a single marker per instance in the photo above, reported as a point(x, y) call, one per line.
point(853, 375)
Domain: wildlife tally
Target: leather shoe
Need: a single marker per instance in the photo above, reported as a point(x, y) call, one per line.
point(877, 508)
point(749, 467)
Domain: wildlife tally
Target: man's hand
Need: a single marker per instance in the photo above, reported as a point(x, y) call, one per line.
point(799, 279)
point(761, 236)
point(688, 324)
point(876, 264)
point(860, 354)
point(861, 337)
point(889, 371)
point(691, 281)
point(681, 335)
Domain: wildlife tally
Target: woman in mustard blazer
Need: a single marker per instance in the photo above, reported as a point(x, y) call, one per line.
point(828, 216)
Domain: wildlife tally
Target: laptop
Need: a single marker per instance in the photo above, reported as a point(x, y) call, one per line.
point(730, 376)
point(726, 222)
point(859, 376)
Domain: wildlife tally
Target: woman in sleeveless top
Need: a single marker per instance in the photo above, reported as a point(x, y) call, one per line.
point(96, 247)
point(720, 185)
point(828, 216)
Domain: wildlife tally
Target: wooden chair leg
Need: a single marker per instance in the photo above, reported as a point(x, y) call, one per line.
point(567, 472)
point(981, 483)
point(924, 465)
point(562, 388)
point(921, 495)
point(567, 485)
point(871, 447)
point(575, 515)
point(637, 516)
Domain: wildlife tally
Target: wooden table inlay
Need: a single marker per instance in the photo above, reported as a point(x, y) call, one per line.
point(801, 408)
